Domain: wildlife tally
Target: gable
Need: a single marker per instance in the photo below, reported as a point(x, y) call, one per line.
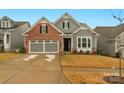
point(85, 30)
point(40, 21)
point(82, 32)
point(10, 21)
point(52, 33)
point(73, 23)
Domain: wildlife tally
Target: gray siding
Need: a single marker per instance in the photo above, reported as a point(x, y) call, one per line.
point(84, 33)
point(105, 47)
point(73, 26)
point(1, 35)
point(17, 39)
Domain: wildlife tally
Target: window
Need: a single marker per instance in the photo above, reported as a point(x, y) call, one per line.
point(47, 41)
point(33, 41)
point(89, 42)
point(7, 38)
point(1, 41)
point(40, 41)
point(5, 24)
point(43, 28)
point(79, 42)
point(66, 25)
point(84, 42)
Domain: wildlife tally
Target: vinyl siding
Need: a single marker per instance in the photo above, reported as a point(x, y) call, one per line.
point(72, 27)
point(17, 39)
point(106, 47)
point(83, 33)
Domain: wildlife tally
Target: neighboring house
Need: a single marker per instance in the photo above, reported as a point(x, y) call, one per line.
point(110, 39)
point(43, 37)
point(64, 35)
point(77, 36)
point(11, 37)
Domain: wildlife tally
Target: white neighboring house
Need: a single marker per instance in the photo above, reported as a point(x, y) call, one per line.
point(11, 37)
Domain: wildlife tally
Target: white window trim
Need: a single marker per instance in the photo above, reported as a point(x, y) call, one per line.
point(85, 48)
point(5, 25)
point(66, 24)
point(5, 43)
point(44, 46)
point(43, 29)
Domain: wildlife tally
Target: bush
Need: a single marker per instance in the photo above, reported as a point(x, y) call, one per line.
point(88, 52)
point(2, 48)
point(117, 54)
point(22, 50)
point(74, 51)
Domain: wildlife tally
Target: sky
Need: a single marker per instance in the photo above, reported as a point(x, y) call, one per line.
point(92, 17)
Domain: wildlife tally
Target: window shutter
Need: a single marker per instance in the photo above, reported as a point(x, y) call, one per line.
point(63, 25)
point(46, 29)
point(68, 25)
point(40, 29)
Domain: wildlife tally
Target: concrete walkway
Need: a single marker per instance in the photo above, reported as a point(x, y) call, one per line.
point(35, 71)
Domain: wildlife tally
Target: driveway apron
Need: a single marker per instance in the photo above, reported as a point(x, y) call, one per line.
point(35, 71)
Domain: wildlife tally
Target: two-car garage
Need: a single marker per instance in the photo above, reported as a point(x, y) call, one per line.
point(43, 46)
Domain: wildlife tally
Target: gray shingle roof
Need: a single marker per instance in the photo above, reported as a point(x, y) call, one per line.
point(110, 32)
point(17, 24)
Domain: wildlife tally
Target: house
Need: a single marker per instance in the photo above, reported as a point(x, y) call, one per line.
point(77, 36)
point(64, 35)
point(11, 37)
point(110, 40)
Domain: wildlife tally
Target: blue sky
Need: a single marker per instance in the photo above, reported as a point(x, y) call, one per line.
point(100, 17)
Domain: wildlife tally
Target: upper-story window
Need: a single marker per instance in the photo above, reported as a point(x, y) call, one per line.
point(66, 25)
point(43, 28)
point(5, 24)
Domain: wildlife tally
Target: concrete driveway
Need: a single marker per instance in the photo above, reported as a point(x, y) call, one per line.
point(34, 71)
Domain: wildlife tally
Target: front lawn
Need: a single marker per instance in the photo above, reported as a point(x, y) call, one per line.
point(86, 77)
point(90, 61)
point(8, 56)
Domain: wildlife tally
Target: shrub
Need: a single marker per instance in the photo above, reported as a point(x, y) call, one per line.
point(117, 54)
point(88, 52)
point(74, 51)
point(22, 50)
point(81, 51)
point(2, 48)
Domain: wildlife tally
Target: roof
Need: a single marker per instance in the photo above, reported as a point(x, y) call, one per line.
point(110, 32)
point(42, 20)
point(66, 15)
point(85, 27)
point(17, 24)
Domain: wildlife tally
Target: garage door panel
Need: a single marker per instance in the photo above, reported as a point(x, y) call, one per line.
point(36, 47)
point(51, 47)
point(44, 47)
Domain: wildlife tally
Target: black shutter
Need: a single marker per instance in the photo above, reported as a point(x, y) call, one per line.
point(68, 25)
point(40, 29)
point(46, 29)
point(63, 25)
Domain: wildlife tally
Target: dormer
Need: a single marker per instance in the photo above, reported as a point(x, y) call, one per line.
point(6, 22)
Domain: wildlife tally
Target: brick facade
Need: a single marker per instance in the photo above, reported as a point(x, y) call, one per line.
point(34, 34)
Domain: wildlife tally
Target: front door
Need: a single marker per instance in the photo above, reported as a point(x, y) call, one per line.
point(67, 44)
